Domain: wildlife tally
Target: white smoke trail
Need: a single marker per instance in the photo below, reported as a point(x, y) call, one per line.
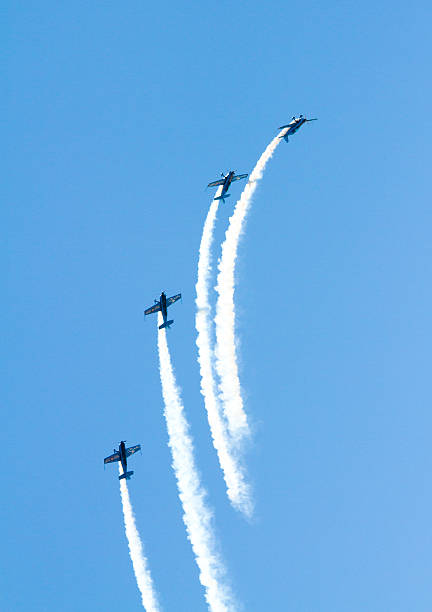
point(225, 352)
point(237, 489)
point(139, 562)
point(197, 516)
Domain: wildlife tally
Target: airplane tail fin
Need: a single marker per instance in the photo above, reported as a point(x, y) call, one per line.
point(167, 324)
point(126, 475)
point(227, 195)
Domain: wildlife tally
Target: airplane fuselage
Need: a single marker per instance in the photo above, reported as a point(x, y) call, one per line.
point(295, 125)
point(163, 305)
point(228, 181)
point(122, 453)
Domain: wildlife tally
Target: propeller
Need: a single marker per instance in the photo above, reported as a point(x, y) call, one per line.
point(116, 449)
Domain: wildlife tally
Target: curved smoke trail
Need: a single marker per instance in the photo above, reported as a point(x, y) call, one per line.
point(197, 516)
point(225, 352)
point(139, 562)
point(238, 490)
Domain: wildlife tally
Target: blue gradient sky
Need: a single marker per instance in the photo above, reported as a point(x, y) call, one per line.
point(117, 116)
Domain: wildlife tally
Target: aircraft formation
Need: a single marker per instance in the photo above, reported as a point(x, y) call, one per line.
point(162, 304)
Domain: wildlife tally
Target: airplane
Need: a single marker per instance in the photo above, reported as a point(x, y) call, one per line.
point(226, 181)
point(162, 304)
point(121, 455)
point(294, 125)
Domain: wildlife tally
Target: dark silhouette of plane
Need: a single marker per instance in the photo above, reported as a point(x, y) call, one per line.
point(226, 181)
point(162, 304)
point(294, 125)
point(121, 455)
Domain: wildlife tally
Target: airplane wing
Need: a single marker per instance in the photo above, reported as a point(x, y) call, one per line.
point(111, 458)
point(237, 177)
point(133, 449)
point(173, 299)
point(216, 183)
point(152, 309)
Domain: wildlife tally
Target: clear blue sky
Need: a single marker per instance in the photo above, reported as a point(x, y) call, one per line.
point(117, 115)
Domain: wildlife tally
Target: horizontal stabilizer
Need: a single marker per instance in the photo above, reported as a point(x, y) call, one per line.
point(126, 475)
point(167, 324)
point(227, 195)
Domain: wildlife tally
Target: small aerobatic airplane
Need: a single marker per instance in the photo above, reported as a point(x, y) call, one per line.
point(226, 181)
point(162, 304)
point(294, 125)
point(121, 455)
